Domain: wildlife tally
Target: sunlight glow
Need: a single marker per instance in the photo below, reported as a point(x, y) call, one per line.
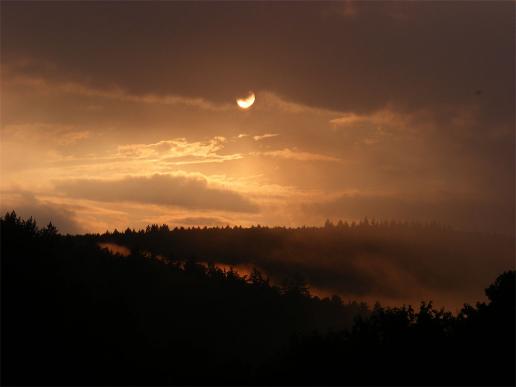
point(246, 103)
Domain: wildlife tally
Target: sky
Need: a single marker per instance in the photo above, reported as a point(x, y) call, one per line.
point(118, 115)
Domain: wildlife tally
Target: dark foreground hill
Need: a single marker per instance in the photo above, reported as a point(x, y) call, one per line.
point(74, 314)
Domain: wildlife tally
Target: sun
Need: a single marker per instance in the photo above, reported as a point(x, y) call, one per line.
point(247, 102)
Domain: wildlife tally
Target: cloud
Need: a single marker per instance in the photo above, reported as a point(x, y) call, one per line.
point(25, 204)
point(37, 132)
point(115, 93)
point(264, 136)
point(337, 63)
point(159, 189)
point(353, 112)
point(270, 101)
point(178, 151)
point(290, 154)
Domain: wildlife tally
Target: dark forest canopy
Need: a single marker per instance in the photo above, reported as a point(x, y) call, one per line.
point(393, 262)
point(73, 313)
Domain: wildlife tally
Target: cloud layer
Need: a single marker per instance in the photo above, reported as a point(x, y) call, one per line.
point(167, 190)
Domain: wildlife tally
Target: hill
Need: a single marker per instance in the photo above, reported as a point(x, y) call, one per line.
point(74, 313)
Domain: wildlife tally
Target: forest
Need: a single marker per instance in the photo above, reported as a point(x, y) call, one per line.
point(163, 311)
point(392, 262)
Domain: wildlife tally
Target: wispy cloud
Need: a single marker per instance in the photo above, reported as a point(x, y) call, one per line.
point(348, 119)
point(293, 154)
point(271, 101)
point(264, 136)
point(113, 93)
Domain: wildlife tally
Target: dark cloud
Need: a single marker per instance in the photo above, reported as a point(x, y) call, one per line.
point(26, 205)
point(408, 54)
point(167, 190)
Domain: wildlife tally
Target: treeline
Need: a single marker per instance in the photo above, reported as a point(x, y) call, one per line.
point(74, 314)
point(341, 259)
point(363, 224)
point(239, 244)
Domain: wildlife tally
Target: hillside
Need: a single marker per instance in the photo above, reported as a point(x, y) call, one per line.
point(72, 312)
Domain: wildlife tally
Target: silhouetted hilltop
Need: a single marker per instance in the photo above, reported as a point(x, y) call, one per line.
point(75, 314)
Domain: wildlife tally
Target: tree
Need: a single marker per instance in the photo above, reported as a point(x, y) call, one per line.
point(49, 231)
point(502, 292)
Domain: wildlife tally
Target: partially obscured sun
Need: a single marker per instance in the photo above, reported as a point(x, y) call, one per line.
point(247, 102)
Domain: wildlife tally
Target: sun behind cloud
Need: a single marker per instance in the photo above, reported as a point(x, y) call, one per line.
point(247, 102)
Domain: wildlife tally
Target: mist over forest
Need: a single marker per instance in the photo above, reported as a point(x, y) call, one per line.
point(168, 307)
point(390, 262)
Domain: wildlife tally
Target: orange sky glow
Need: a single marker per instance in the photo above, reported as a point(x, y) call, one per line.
point(338, 129)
